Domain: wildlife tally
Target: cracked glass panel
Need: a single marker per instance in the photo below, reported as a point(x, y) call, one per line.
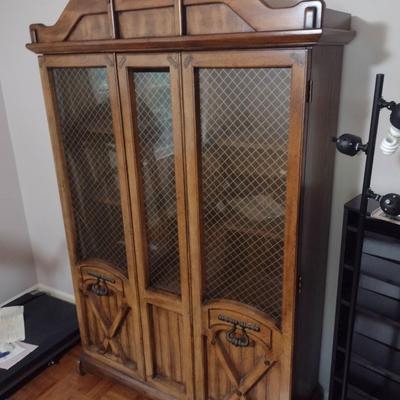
point(244, 124)
point(86, 129)
point(152, 91)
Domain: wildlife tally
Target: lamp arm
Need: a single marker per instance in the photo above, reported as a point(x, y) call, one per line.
point(390, 105)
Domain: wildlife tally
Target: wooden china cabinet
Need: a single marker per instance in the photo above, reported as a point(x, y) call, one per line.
point(192, 141)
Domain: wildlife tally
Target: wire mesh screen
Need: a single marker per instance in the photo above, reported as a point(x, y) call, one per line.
point(156, 154)
point(244, 122)
point(87, 136)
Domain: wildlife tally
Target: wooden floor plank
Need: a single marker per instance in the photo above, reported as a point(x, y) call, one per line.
point(63, 382)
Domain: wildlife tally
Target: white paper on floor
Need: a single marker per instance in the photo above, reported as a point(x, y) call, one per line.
point(20, 351)
point(12, 325)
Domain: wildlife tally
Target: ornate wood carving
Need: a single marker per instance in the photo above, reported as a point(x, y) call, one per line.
point(243, 345)
point(104, 292)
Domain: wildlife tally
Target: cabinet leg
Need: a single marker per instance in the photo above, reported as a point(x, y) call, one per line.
point(80, 368)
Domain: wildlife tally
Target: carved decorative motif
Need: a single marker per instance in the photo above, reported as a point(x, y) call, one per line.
point(173, 61)
point(95, 286)
point(242, 384)
point(237, 336)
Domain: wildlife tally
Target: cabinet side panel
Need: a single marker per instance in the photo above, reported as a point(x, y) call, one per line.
point(316, 207)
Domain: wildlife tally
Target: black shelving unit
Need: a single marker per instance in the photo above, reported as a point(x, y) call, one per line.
point(374, 372)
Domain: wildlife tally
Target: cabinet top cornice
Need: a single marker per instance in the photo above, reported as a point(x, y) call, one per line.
point(154, 25)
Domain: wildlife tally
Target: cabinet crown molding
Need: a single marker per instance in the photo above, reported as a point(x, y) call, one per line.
point(123, 25)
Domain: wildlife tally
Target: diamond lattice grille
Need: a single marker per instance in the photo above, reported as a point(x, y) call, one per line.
point(86, 129)
point(156, 153)
point(244, 120)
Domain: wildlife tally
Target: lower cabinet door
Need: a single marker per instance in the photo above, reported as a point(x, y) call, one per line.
point(242, 353)
point(105, 301)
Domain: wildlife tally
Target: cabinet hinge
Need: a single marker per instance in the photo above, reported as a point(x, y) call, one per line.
point(310, 90)
point(299, 284)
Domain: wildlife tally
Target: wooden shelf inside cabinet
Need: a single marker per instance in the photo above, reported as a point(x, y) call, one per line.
point(251, 229)
point(108, 201)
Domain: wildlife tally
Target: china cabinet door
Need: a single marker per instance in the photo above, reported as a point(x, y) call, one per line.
point(86, 131)
point(244, 119)
point(151, 103)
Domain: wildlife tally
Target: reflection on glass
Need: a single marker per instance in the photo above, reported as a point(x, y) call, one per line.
point(86, 129)
point(244, 122)
point(152, 91)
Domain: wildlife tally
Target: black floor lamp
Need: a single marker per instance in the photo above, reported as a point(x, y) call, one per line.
point(351, 145)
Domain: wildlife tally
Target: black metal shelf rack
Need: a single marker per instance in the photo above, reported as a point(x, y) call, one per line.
point(374, 371)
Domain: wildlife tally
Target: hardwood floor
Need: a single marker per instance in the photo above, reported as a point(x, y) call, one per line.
point(63, 382)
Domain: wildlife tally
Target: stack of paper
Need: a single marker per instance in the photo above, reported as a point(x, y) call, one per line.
point(12, 326)
point(12, 332)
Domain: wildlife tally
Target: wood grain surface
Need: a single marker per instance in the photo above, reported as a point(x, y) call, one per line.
point(62, 381)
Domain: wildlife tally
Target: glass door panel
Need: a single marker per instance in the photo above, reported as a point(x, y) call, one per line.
point(152, 91)
point(86, 130)
point(244, 125)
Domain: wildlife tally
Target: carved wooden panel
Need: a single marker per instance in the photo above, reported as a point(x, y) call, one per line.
point(147, 23)
point(169, 357)
point(116, 19)
point(257, 15)
point(96, 27)
point(214, 18)
point(243, 355)
point(109, 324)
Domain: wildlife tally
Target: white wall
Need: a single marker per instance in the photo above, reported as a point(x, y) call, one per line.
point(19, 76)
point(375, 49)
point(17, 270)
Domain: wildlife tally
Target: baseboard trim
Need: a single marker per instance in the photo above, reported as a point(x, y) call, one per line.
point(30, 289)
point(58, 294)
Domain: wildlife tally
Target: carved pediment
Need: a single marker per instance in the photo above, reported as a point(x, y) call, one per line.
point(105, 20)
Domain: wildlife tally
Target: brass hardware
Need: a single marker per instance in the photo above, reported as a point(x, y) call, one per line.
point(238, 339)
point(102, 277)
point(100, 287)
point(299, 284)
point(244, 325)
